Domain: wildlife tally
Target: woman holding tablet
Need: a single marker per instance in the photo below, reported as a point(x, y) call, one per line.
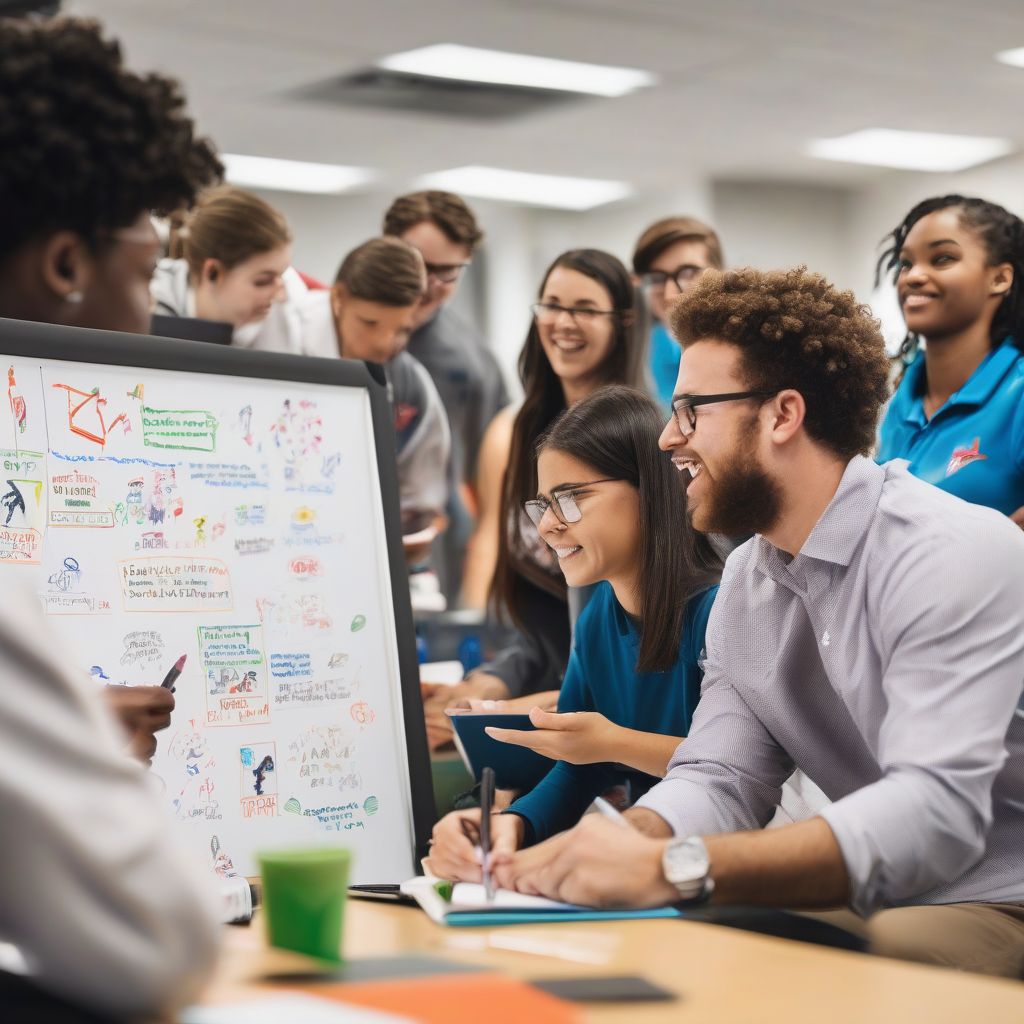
point(611, 508)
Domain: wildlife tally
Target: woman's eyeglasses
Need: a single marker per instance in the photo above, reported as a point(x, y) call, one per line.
point(562, 503)
point(549, 312)
point(684, 408)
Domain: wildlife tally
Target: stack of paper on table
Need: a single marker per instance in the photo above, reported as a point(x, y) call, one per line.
point(469, 906)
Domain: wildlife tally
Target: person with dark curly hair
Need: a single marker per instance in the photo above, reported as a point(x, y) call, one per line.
point(88, 150)
point(958, 413)
point(108, 914)
point(869, 612)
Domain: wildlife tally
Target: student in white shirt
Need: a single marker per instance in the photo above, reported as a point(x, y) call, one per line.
point(230, 260)
point(369, 314)
point(93, 892)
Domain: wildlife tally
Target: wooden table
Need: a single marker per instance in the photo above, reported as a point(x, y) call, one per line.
point(721, 975)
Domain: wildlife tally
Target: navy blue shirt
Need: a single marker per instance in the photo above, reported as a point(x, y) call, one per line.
point(973, 446)
point(602, 676)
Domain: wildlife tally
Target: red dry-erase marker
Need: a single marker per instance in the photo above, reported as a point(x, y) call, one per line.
point(172, 677)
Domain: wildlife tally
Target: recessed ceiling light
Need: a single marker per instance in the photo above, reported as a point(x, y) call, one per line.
point(913, 151)
point(1015, 58)
point(470, 64)
point(529, 189)
point(292, 175)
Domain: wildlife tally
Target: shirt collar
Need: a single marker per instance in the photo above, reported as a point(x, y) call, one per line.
point(980, 386)
point(839, 532)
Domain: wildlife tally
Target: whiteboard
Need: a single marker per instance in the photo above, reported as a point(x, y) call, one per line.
point(243, 512)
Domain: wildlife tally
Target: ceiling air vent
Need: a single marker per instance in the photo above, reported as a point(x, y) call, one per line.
point(377, 89)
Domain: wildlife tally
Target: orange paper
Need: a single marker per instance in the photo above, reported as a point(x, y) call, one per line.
point(456, 999)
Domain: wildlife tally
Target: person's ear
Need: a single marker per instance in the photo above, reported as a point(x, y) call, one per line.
point(212, 272)
point(68, 266)
point(1002, 279)
point(785, 413)
point(339, 296)
point(628, 319)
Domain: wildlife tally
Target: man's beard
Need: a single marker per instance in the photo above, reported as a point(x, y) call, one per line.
point(741, 500)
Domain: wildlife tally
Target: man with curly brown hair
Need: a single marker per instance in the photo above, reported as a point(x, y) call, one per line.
point(871, 633)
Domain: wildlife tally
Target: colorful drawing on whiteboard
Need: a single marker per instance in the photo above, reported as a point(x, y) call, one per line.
point(20, 546)
point(86, 418)
point(362, 714)
point(189, 430)
point(75, 499)
point(194, 799)
point(258, 780)
point(236, 674)
point(19, 410)
point(245, 424)
point(358, 622)
point(65, 593)
point(175, 583)
point(67, 578)
point(298, 434)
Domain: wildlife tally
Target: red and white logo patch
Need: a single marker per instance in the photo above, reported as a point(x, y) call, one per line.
point(964, 457)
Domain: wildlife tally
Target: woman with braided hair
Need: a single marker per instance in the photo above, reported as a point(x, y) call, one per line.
point(958, 412)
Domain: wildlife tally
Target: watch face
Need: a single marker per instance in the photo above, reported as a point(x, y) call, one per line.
point(686, 862)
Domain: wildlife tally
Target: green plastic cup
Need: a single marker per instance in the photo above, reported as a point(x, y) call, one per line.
point(304, 899)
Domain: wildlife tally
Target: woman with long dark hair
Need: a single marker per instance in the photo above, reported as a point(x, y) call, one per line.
point(611, 508)
point(957, 415)
point(584, 334)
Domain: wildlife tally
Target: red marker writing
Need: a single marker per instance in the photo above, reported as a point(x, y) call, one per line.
point(172, 677)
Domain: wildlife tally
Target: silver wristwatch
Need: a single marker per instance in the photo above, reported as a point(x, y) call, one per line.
point(685, 864)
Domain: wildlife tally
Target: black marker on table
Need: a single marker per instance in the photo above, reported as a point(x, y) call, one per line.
point(172, 677)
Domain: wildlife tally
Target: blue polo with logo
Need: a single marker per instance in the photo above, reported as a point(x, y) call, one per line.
point(973, 446)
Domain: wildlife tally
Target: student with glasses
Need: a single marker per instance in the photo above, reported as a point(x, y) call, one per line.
point(611, 508)
point(871, 633)
point(461, 364)
point(583, 336)
point(669, 258)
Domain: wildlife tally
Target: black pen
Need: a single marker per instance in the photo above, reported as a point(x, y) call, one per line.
point(486, 803)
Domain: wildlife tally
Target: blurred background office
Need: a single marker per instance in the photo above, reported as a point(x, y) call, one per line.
point(773, 122)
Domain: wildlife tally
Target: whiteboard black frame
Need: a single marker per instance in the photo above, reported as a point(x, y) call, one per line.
point(28, 339)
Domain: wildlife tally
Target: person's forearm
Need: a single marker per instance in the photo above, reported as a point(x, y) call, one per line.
point(648, 752)
point(649, 823)
point(796, 866)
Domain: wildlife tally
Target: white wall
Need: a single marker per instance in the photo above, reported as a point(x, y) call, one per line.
point(834, 231)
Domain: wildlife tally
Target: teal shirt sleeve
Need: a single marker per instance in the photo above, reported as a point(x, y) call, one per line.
point(558, 801)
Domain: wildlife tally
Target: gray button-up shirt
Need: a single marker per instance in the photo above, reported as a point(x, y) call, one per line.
point(886, 661)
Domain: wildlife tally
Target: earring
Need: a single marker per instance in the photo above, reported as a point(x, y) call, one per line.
point(74, 297)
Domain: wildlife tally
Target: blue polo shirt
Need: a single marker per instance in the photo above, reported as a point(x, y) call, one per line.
point(663, 360)
point(973, 446)
point(602, 676)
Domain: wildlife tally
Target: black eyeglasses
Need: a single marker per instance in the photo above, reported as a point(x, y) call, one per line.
point(445, 272)
point(548, 313)
point(562, 503)
point(682, 277)
point(684, 407)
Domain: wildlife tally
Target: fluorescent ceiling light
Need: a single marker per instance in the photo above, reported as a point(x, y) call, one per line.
point(292, 175)
point(531, 189)
point(912, 151)
point(470, 64)
point(1015, 58)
